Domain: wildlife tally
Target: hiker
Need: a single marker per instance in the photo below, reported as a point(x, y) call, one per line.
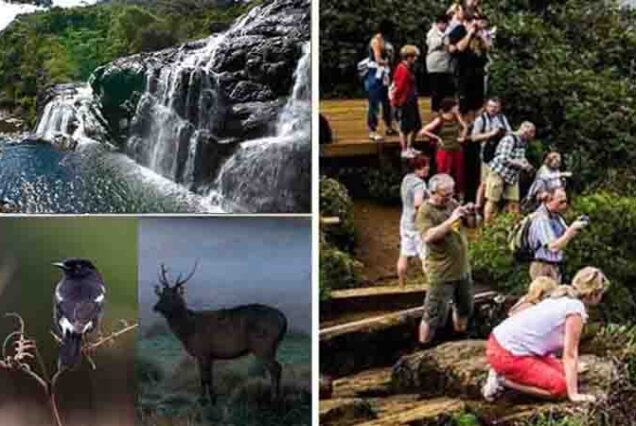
point(469, 47)
point(439, 65)
point(503, 179)
point(549, 235)
point(413, 192)
point(548, 177)
point(441, 222)
point(521, 351)
point(488, 129)
point(539, 289)
point(404, 99)
point(376, 83)
point(448, 130)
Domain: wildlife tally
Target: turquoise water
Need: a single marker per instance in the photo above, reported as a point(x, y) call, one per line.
point(37, 178)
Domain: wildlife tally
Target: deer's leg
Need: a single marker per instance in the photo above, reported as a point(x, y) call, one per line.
point(275, 370)
point(205, 375)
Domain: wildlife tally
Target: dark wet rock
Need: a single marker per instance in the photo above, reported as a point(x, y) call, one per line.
point(254, 63)
point(64, 143)
point(269, 177)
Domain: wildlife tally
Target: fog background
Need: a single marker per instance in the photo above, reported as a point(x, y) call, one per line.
point(241, 261)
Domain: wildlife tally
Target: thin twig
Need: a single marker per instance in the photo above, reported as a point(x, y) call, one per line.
point(22, 353)
point(111, 337)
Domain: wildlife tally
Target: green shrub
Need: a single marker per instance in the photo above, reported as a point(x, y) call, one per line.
point(493, 263)
point(338, 270)
point(335, 202)
point(383, 184)
point(604, 244)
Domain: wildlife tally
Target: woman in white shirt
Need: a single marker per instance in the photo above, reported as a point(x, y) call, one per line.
point(521, 350)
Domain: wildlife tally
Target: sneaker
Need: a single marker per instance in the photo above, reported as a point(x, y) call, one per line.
point(391, 132)
point(375, 136)
point(406, 154)
point(415, 151)
point(493, 387)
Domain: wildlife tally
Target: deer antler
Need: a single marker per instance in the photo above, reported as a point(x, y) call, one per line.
point(163, 279)
point(181, 282)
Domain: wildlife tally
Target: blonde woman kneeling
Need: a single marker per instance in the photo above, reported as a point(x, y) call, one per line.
point(539, 289)
point(521, 349)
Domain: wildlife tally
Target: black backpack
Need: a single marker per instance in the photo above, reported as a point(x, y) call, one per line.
point(490, 146)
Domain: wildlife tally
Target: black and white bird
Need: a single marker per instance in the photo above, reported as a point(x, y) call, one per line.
point(78, 305)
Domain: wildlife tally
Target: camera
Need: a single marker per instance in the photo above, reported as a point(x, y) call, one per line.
point(584, 218)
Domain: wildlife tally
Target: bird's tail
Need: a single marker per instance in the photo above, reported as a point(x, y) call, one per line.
point(70, 351)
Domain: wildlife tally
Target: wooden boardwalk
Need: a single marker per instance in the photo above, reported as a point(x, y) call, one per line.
point(348, 121)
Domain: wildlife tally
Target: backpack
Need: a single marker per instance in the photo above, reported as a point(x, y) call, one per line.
point(363, 68)
point(490, 146)
point(518, 241)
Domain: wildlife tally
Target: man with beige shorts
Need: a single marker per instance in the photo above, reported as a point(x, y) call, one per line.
point(509, 160)
point(488, 129)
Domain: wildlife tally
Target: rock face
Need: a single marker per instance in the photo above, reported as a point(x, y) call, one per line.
point(184, 112)
point(460, 368)
point(233, 85)
point(436, 386)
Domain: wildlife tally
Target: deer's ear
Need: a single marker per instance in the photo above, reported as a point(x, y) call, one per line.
point(158, 290)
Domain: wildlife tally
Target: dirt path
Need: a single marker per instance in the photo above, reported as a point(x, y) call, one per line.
point(378, 228)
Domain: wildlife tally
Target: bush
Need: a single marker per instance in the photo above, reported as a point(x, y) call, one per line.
point(338, 270)
point(335, 202)
point(383, 184)
point(493, 263)
point(603, 244)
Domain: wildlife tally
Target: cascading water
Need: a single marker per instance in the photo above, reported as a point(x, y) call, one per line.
point(73, 113)
point(266, 174)
point(180, 100)
point(183, 114)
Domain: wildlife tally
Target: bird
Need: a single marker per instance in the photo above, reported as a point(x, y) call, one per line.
point(78, 307)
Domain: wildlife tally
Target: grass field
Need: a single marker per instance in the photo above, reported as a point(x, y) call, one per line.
point(169, 385)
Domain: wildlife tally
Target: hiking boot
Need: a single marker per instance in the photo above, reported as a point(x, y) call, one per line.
point(493, 386)
point(391, 132)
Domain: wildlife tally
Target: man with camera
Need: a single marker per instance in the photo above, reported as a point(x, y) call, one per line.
point(441, 222)
point(549, 235)
point(506, 166)
point(488, 129)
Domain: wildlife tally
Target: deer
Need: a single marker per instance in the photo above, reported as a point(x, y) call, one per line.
point(224, 334)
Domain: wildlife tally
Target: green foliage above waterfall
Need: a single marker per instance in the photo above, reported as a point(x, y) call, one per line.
point(64, 45)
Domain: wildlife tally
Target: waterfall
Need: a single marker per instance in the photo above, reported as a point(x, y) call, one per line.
point(194, 113)
point(180, 100)
point(268, 174)
point(73, 113)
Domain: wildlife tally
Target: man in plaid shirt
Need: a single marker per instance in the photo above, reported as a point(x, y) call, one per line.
point(509, 160)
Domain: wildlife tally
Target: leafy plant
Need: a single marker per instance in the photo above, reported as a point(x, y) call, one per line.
point(335, 202)
point(602, 244)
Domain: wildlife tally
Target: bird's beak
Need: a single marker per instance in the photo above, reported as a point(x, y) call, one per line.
point(59, 265)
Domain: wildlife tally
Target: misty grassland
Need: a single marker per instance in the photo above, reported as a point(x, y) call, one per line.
point(168, 385)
